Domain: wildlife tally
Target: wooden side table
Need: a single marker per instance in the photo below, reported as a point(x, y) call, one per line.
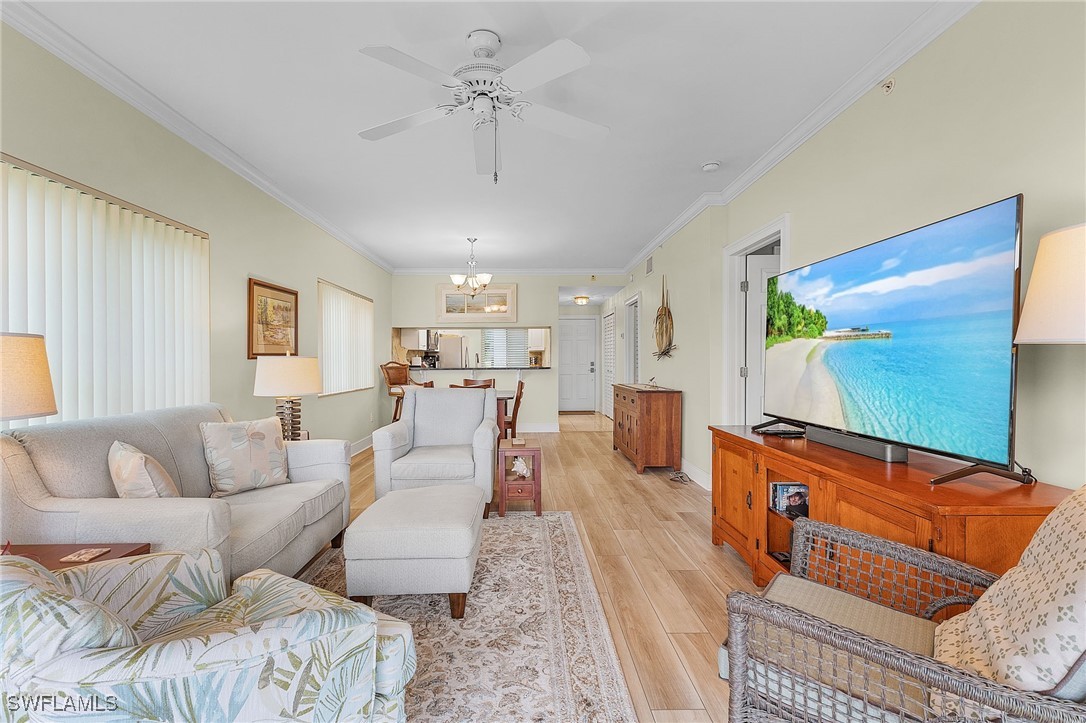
point(512, 487)
point(49, 555)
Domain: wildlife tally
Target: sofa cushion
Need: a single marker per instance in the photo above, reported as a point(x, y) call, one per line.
point(244, 455)
point(1027, 629)
point(316, 498)
point(260, 530)
point(42, 621)
point(446, 461)
point(72, 457)
point(136, 474)
point(444, 521)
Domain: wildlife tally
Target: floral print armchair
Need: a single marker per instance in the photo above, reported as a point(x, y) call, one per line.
point(155, 637)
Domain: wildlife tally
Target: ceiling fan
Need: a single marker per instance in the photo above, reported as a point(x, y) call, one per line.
point(489, 90)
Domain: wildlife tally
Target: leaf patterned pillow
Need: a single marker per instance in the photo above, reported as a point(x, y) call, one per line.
point(136, 474)
point(1028, 630)
point(243, 456)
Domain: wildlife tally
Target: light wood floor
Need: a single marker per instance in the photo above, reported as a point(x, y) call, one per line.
point(661, 581)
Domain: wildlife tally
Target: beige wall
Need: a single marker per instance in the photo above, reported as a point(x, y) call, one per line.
point(413, 303)
point(57, 118)
point(994, 107)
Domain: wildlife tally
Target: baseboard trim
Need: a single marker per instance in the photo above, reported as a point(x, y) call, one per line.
point(361, 445)
point(538, 427)
point(696, 473)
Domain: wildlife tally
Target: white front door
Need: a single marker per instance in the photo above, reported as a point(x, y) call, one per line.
point(759, 270)
point(609, 364)
point(577, 365)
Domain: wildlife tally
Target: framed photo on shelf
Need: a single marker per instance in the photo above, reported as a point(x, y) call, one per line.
point(273, 320)
point(497, 303)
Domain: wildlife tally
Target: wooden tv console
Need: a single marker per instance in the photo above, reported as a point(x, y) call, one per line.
point(983, 520)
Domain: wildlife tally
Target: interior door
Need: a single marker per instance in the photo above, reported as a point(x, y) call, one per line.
point(577, 365)
point(609, 365)
point(759, 270)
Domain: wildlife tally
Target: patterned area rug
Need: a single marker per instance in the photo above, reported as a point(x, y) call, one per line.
point(533, 645)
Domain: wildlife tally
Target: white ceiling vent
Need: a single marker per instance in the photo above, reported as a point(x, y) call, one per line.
point(648, 266)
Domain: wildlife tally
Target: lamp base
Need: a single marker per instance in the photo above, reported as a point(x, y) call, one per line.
point(289, 411)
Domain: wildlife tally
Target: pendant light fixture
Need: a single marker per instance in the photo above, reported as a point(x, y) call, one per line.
point(472, 282)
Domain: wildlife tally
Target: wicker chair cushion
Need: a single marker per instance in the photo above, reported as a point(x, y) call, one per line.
point(844, 681)
point(1028, 630)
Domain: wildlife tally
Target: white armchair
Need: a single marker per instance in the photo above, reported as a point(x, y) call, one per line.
point(443, 437)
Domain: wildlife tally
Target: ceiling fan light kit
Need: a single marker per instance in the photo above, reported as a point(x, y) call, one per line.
point(488, 90)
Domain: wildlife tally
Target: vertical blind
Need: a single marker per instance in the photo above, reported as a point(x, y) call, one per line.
point(346, 343)
point(505, 348)
point(121, 297)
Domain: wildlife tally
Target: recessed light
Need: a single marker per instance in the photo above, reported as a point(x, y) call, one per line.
point(710, 166)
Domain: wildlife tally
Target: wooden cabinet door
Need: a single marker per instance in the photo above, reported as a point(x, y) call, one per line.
point(734, 470)
point(862, 512)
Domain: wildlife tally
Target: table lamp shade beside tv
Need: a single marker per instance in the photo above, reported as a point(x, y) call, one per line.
point(1054, 311)
point(288, 378)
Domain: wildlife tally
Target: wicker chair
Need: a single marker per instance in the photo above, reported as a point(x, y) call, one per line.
point(785, 663)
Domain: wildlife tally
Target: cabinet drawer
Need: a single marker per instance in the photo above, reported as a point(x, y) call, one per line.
point(519, 491)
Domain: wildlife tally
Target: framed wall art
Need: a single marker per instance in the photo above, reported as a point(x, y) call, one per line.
point(273, 320)
point(498, 302)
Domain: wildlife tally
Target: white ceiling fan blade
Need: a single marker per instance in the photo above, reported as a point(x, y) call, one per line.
point(384, 130)
point(554, 61)
point(564, 124)
point(488, 156)
point(403, 61)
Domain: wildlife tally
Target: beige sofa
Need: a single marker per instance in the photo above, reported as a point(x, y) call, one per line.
point(55, 487)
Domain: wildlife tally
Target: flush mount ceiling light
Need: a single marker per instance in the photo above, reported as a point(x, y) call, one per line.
point(710, 166)
point(471, 283)
point(580, 300)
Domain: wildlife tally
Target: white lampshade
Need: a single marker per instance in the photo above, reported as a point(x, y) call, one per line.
point(458, 279)
point(26, 387)
point(1055, 308)
point(484, 279)
point(287, 376)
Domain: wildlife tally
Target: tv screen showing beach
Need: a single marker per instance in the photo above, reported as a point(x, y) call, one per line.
point(906, 340)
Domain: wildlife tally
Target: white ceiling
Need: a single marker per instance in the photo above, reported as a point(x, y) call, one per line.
point(283, 86)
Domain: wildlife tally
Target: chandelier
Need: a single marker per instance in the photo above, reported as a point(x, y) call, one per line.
point(472, 282)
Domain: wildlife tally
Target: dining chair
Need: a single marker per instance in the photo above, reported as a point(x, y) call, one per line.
point(397, 376)
point(468, 383)
point(511, 420)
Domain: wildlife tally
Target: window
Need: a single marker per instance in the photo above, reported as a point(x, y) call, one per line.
point(120, 294)
point(346, 340)
point(505, 348)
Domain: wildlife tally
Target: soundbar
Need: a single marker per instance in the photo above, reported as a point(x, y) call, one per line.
point(860, 445)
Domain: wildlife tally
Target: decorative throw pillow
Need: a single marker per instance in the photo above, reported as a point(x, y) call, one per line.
point(41, 620)
point(136, 474)
point(244, 455)
point(1028, 630)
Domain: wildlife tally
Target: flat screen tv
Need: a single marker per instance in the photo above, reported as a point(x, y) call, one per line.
point(908, 340)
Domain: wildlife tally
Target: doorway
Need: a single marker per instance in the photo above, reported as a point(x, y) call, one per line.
point(633, 341)
point(577, 341)
point(748, 265)
point(609, 365)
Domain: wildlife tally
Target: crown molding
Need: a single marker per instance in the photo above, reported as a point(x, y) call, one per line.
point(512, 272)
point(44, 32)
point(926, 28)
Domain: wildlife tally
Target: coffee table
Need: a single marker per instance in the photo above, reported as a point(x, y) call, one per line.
point(49, 555)
point(513, 487)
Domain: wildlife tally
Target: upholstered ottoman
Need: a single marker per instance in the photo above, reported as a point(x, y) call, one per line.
point(416, 542)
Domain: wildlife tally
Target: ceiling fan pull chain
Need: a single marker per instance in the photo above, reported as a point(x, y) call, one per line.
point(495, 148)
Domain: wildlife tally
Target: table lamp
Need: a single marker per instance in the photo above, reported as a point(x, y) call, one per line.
point(288, 378)
point(1055, 308)
point(26, 387)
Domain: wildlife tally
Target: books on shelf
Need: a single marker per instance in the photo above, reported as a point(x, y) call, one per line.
point(790, 499)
